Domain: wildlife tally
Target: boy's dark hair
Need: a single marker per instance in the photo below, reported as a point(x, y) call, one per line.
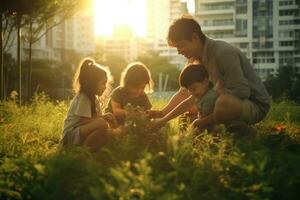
point(136, 73)
point(193, 73)
point(183, 29)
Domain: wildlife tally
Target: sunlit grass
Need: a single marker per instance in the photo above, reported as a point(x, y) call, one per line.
point(180, 166)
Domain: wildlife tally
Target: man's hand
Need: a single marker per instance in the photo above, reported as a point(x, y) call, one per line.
point(116, 132)
point(157, 123)
point(111, 120)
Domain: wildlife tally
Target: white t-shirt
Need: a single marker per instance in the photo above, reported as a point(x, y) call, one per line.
point(80, 107)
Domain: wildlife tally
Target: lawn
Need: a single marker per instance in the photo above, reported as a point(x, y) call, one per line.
point(166, 164)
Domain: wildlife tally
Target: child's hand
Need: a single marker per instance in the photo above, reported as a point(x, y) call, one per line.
point(118, 131)
point(152, 114)
point(156, 123)
point(110, 118)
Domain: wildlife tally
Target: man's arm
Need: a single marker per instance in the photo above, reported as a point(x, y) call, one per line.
point(177, 98)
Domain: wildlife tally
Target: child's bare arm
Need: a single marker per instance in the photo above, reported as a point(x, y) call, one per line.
point(180, 96)
point(117, 110)
point(178, 110)
point(110, 118)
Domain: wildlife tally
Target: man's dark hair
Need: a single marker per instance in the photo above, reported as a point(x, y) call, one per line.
point(193, 73)
point(183, 29)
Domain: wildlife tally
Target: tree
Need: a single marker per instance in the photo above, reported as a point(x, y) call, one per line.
point(116, 65)
point(38, 16)
point(10, 73)
point(6, 28)
point(1, 60)
point(158, 64)
point(285, 83)
point(295, 95)
point(44, 16)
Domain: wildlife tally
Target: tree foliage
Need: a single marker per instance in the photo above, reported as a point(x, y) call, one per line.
point(285, 83)
point(158, 64)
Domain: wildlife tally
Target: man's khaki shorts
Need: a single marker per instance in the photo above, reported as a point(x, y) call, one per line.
point(251, 113)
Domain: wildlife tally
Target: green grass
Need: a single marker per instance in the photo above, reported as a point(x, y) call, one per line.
point(177, 165)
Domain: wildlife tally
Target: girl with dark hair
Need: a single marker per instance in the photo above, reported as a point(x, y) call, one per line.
point(84, 124)
point(135, 82)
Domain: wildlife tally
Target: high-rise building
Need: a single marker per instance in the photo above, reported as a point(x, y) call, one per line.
point(158, 19)
point(160, 14)
point(73, 36)
point(124, 43)
point(177, 9)
point(265, 30)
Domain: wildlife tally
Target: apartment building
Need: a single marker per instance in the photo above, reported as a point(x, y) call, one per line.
point(70, 37)
point(124, 43)
point(160, 14)
point(265, 30)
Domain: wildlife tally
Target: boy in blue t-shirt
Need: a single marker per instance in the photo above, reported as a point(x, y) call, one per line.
point(194, 78)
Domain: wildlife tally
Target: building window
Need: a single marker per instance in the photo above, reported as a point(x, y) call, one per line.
point(241, 9)
point(297, 60)
point(289, 22)
point(285, 61)
point(286, 54)
point(286, 12)
point(286, 43)
point(263, 60)
point(241, 27)
point(243, 45)
point(219, 6)
point(286, 3)
point(258, 45)
point(243, 2)
point(285, 34)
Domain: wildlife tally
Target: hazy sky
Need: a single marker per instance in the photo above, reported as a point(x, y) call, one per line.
point(130, 12)
point(191, 5)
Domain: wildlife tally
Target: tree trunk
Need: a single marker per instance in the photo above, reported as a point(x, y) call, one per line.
point(1, 61)
point(63, 57)
point(19, 57)
point(29, 64)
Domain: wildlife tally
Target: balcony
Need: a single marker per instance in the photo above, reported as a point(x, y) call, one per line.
point(223, 11)
point(218, 28)
point(215, 1)
point(288, 7)
point(218, 25)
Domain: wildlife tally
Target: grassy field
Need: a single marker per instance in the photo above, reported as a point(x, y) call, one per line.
point(169, 164)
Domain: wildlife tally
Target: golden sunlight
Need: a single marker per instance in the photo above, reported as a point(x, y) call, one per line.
point(110, 13)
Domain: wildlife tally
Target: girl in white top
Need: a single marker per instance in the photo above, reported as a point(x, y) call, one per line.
point(84, 124)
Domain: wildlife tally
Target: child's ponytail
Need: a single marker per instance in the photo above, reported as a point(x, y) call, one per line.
point(86, 78)
point(87, 63)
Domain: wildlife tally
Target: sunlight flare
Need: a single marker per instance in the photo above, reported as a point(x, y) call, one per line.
point(120, 12)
